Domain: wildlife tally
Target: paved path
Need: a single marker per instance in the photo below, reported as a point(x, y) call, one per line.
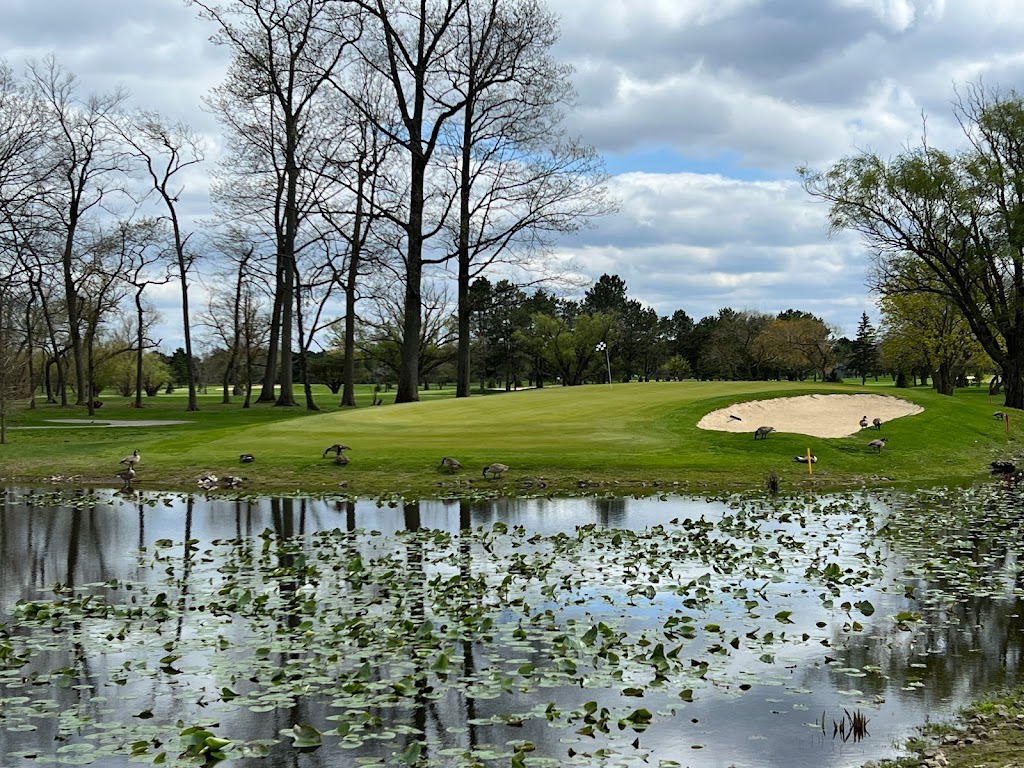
point(106, 423)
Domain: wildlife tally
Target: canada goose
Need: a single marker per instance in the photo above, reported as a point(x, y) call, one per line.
point(336, 449)
point(127, 475)
point(803, 459)
point(341, 458)
point(495, 470)
point(999, 415)
point(207, 481)
point(863, 422)
point(247, 458)
point(878, 444)
point(132, 460)
point(450, 464)
point(231, 481)
point(876, 423)
point(762, 432)
point(1003, 467)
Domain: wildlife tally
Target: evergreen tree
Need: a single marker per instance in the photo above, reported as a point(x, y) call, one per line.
point(864, 350)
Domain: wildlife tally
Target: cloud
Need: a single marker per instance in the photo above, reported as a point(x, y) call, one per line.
point(701, 242)
point(703, 108)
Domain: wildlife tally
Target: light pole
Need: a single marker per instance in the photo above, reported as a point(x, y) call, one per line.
point(603, 347)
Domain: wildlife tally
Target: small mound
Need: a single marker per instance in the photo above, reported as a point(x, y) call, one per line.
point(815, 415)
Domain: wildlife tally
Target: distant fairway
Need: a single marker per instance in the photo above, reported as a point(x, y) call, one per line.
point(628, 436)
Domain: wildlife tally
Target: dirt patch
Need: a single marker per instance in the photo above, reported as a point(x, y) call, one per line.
point(815, 415)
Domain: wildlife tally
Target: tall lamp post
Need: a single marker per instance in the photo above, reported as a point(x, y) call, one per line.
point(603, 347)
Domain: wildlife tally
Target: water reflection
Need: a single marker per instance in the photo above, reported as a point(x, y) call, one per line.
point(776, 653)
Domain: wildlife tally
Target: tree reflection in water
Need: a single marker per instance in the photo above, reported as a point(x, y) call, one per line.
point(462, 631)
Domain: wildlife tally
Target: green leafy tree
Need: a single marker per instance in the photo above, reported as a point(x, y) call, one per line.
point(928, 332)
point(948, 222)
point(571, 350)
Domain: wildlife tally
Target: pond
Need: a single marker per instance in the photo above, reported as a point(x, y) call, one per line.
point(333, 632)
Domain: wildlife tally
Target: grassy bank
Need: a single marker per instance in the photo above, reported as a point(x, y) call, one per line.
point(628, 436)
point(988, 734)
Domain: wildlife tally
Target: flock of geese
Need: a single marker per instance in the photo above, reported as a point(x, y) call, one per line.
point(210, 481)
point(496, 470)
point(762, 432)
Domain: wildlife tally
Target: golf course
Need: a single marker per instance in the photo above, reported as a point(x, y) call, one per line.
point(625, 438)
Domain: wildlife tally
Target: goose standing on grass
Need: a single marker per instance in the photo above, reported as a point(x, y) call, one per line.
point(247, 458)
point(337, 449)
point(495, 470)
point(999, 415)
point(450, 464)
point(876, 423)
point(863, 422)
point(131, 461)
point(762, 432)
point(878, 444)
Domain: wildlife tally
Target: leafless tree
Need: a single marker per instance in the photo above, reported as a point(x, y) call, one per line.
point(238, 292)
point(283, 52)
point(406, 43)
point(361, 194)
point(167, 150)
point(88, 162)
point(521, 179)
point(144, 247)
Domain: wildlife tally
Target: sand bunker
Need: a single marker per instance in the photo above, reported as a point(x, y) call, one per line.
point(815, 415)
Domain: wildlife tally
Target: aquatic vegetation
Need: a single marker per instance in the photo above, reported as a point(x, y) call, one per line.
point(588, 640)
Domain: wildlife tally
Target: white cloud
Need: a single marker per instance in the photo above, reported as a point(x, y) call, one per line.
point(704, 108)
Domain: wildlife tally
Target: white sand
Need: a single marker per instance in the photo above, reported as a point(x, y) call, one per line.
point(816, 415)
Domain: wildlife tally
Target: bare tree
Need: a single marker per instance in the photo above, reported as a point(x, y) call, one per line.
point(238, 293)
point(355, 210)
point(88, 162)
point(407, 43)
point(143, 251)
point(521, 180)
point(167, 150)
point(101, 290)
point(382, 328)
point(283, 54)
point(14, 383)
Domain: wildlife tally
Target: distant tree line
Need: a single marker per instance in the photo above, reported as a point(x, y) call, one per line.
point(538, 339)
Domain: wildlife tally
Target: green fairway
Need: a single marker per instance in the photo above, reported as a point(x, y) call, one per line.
point(625, 438)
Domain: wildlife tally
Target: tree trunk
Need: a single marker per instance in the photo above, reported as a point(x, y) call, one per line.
point(193, 403)
point(462, 373)
point(943, 380)
point(270, 372)
point(74, 319)
point(286, 396)
point(30, 345)
point(290, 294)
point(1012, 368)
point(348, 397)
point(139, 341)
point(409, 372)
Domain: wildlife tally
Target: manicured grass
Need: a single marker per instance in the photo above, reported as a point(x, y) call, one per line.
point(626, 438)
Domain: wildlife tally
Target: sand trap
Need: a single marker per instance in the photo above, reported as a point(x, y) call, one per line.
point(815, 415)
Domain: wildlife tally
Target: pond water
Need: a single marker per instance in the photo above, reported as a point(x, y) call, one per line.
point(535, 632)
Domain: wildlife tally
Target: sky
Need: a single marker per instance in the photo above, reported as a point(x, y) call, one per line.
point(702, 110)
